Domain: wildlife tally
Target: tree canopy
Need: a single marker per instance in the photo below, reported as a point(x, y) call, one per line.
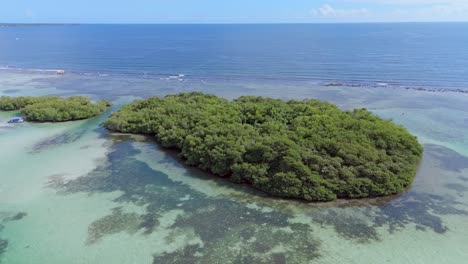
point(308, 150)
point(53, 108)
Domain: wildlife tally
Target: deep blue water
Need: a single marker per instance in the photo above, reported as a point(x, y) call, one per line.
point(407, 54)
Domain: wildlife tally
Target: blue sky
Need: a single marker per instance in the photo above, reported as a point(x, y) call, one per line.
point(234, 11)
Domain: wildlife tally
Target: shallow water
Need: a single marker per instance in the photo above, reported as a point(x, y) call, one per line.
point(73, 193)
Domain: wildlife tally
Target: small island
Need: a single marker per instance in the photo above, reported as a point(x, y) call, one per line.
point(53, 108)
point(308, 150)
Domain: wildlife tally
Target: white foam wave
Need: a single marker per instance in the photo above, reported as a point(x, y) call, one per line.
point(11, 68)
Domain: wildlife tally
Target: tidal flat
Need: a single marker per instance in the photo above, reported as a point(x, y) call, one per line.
point(75, 193)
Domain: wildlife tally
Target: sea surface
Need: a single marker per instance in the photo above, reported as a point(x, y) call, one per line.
point(417, 55)
point(75, 193)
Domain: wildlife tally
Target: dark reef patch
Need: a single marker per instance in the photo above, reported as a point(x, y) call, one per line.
point(215, 221)
point(347, 226)
point(3, 247)
point(230, 230)
point(426, 209)
point(448, 159)
point(11, 216)
point(61, 139)
point(465, 179)
point(16, 217)
point(3, 244)
point(113, 223)
point(4, 218)
point(459, 188)
point(220, 223)
point(265, 245)
point(423, 209)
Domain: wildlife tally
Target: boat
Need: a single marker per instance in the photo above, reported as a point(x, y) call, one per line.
point(16, 120)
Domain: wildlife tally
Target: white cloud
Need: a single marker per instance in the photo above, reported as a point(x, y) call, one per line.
point(407, 2)
point(394, 11)
point(327, 11)
point(437, 12)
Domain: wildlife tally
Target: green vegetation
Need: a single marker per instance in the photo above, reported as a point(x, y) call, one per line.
point(297, 149)
point(53, 108)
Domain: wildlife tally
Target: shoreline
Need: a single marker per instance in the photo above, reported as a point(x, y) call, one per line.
point(261, 196)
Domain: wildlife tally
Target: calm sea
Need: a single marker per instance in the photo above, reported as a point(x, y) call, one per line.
point(430, 55)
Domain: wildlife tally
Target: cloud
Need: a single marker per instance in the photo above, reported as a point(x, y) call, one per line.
point(438, 12)
point(394, 11)
point(327, 11)
point(408, 2)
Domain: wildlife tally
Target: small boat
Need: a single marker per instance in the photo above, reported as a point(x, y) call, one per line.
point(16, 120)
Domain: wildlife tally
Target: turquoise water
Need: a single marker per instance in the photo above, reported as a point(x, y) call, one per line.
point(73, 193)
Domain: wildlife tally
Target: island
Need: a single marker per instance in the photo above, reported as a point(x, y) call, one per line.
point(53, 108)
point(308, 150)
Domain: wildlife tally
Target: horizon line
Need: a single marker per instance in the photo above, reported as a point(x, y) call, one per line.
point(231, 23)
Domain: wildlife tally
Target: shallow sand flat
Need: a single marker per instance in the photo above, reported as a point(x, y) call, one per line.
point(17, 84)
point(86, 196)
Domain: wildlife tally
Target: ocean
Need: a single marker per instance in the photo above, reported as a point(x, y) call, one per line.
point(75, 193)
point(430, 55)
